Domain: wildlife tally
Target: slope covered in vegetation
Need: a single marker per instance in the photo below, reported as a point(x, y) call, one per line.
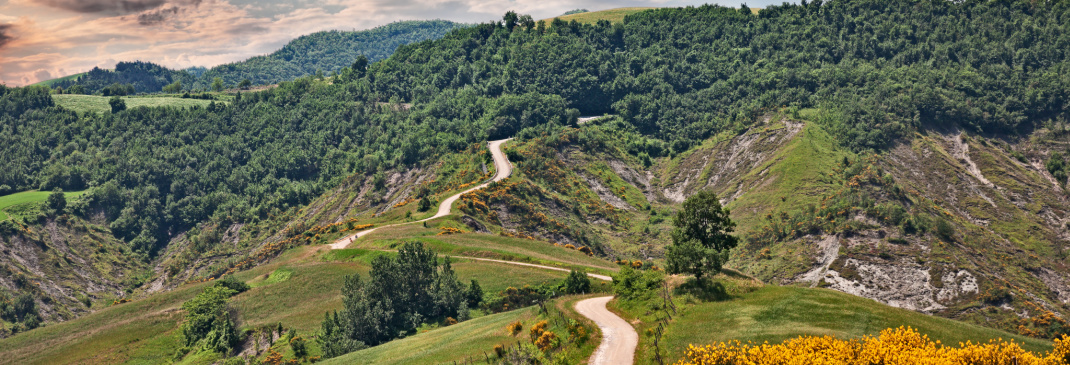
point(324, 52)
point(818, 116)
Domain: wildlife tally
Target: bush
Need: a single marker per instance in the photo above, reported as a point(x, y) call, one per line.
point(944, 230)
point(515, 328)
point(232, 283)
point(56, 201)
point(577, 282)
point(297, 344)
point(538, 329)
point(547, 341)
point(630, 283)
point(209, 322)
point(117, 104)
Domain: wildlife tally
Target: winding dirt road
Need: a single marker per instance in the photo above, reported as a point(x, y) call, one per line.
point(501, 164)
point(619, 339)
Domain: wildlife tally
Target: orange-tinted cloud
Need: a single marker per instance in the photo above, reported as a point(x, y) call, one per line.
point(41, 39)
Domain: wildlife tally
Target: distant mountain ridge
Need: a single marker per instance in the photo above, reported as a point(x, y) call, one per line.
point(325, 51)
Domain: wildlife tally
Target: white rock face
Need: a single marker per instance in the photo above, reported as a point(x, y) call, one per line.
point(903, 286)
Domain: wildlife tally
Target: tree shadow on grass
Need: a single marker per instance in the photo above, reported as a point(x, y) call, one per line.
point(705, 290)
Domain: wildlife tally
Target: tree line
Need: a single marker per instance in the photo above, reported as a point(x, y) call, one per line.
point(320, 52)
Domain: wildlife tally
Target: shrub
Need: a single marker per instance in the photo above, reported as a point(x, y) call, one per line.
point(944, 230)
point(577, 332)
point(232, 283)
point(208, 320)
point(515, 328)
point(499, 350)
point(297, 344)
point(547, 341)
point(538, 329)
point(577, 282)
point(903, 345)
point(631, 284)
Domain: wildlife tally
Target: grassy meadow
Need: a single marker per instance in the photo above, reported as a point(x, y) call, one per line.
point(759, 313)
point(22, 200)
point(99, 104)
point(52, 82)
point(295, 290)
point(613, 15)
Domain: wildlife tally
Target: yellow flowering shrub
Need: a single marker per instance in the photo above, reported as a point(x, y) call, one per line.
point(894, 346)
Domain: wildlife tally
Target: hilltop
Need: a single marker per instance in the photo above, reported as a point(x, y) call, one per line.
point(324, 52)
point(858, 144)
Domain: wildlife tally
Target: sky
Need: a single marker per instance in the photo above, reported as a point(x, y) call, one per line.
point(46, 39)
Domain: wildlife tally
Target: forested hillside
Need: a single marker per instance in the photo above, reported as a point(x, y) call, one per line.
point(126, 78)
point(327, 52)
point(324, 52)
point(191, 188)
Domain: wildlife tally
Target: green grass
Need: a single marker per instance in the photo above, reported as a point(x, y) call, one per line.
point(485, 246)
point(777, 313)
point(93, 103)
point(474, 340)
point(296, 290)
point(613, 15)
point(443, 345)
point(51, 82)
point(26, 197)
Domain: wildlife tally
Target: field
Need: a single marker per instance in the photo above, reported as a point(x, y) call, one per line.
point(93, 103)
point(776, 313)
point(613, 15)
point(51, 82)
point(294, 290)
point(25, 197)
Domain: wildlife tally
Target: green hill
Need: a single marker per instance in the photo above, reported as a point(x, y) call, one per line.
point(326, 51)
point(590, 17)
point(909, 153)
point(53, 82)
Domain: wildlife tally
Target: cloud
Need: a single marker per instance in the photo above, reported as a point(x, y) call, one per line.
point(38, 42)
point(5, 34)
point(105, 6)
point(154, 17)
point(42, 74)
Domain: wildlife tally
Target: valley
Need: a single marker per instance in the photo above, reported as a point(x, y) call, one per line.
point(835, 180)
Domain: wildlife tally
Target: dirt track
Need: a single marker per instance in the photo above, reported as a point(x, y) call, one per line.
point(501, 164)
point(619, 339)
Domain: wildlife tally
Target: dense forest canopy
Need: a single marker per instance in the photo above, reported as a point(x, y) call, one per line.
point(326, 52)
point(878, 69)
point(882, 67)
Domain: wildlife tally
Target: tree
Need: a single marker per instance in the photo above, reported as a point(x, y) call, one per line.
point(511, 19)
point(701, 240)
point(245, 84)
point(400, 294)
point(217, 84)
point(360, 66)
point(474, 294)
point(424, 204)
point(577, 282)
point(208, 320)
point(174, 87)
point(117, 104)
point(56, 201)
